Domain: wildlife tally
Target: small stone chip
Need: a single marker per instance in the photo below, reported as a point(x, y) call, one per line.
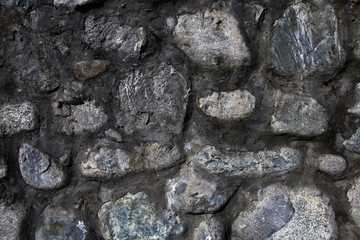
point(88, 69)
point(332, 164)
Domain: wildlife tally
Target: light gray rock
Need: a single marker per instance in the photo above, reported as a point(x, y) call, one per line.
point(247, 164)
point(353, 196)
point(39, 170)
point(272, 212)
point(113, 135)
point(59, 223)
point(87, 69)
point(134, 217)
point(353, 143)
point(211, 38)
point(314, 218)
point(306, 39)
point(233, 105)
point(193, 194)
point(210, 229)
point(332, 164)
point(10, 222)
point(299, 115)
point(15, 118)
point(84, 117)
point(73, 3)
point(356, 108)
point(3, 168)
point(153, 100)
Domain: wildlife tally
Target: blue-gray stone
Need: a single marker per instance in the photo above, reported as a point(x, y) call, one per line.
point(19, 5)
point(3, 168)
point(210, 229)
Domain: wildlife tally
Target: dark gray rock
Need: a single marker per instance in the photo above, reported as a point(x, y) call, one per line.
point(356, 108)
point(332, 164)
point(153, 100)
point(235, 105)
point(353, 197)
point(211, 38)
point(306, 39)
point(15, 118)
point(3, 168)
point(19, 5)
point(59, 223)
point(193, 194)
point(39, 170)
point(210, 229)
point(272, 212)
point(134, 217)
point(299, 115)
point(113, 135)
point(10, 222)
point(247, 164)
point(88, 69)
point(353, 144)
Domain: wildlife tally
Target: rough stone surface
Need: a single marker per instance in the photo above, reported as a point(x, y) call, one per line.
point(3, 168)
point(272, 212)
point(73, 3)
point(210, 229)
point(332, 164)
point(353, 143)
point(113, 135)
point(353, 196)
point(233, 105)
point(211, 38)
point(247, 164)
point(59, 223)
point(20, 5)
point(153, 100)
point(306, 38)
point(299, 115)
point(10, 223)
point(15, 118)
point(193, 194)
point(88, 69)
point(85, 117)
point(133, 217)
point(39, 170)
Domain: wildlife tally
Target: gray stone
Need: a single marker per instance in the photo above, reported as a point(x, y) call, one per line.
point(353, 144)
point(332, 164)
point(193, 194)
point(87, 69)
point(299, 115)
point(134, 217)
point(153, 100)
point(211, 38)
point(15, 118)
point(356, 108)
point(3, 168)
point(272, 212)
point(313, 217)
point(59, 223)
point(10, 222)
point(84, 117)
point(233, 105)
point(39, 170)
point(113, 135)
point(247, 164)
point(73, 3)
point(210, 229)
point(353, 196)
point(306, 39)
point(19, 5)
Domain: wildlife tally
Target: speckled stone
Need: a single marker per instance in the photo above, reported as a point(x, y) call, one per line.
point(134, 217)
point(10, 222)
point(354, 200)
point(353, 143)
point(209, 229)
point(332, 164)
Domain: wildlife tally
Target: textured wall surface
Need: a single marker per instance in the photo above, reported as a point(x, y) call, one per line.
point(171, 119)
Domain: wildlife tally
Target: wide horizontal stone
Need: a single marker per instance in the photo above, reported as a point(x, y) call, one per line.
point(353, 197)
point(3, 168)
point(60, 223)
point(233, 105)
point(211, 38)
point(299, 115)
point(247, 164)
point(10, 222)
point(153, 100)
point(74, 3)
point(87, 69)
point(15, 118)
point(353, 143)
point(210, 229)
point(39, 170)
point(332, 164)
point(193, 194)
point(306, 38)
point(134, 216)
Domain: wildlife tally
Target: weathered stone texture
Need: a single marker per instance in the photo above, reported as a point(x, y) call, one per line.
point(87, 69)
point(10, 223)
point(332, 164)
point(3, 168)
point(210, 229)
point(353, 196)
point(353, 143)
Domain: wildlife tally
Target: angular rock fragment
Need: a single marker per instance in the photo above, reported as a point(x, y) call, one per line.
point(15, 118)
point(210, 229)
point(193, 194)
point(10, 222)
point(134, 217)
point(3, 168)
point(300, 115)
point(88, 69)
point(59, 223)
point(84, 117)
point(306, 38)
point(332, 164)
point(353, 144)
point(353, 196)
point(233, 105)
point(153, 100)
point(113, 135)
point(38, 170)
point(272, 212)
point(247, 164)
point(211, 38)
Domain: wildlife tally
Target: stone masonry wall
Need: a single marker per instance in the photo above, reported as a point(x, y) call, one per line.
point(179, 119)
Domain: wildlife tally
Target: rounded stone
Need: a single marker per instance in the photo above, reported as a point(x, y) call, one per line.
point(88, 69)
point(332, 164)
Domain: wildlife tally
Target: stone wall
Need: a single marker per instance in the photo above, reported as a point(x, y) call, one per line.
point(205, 120)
